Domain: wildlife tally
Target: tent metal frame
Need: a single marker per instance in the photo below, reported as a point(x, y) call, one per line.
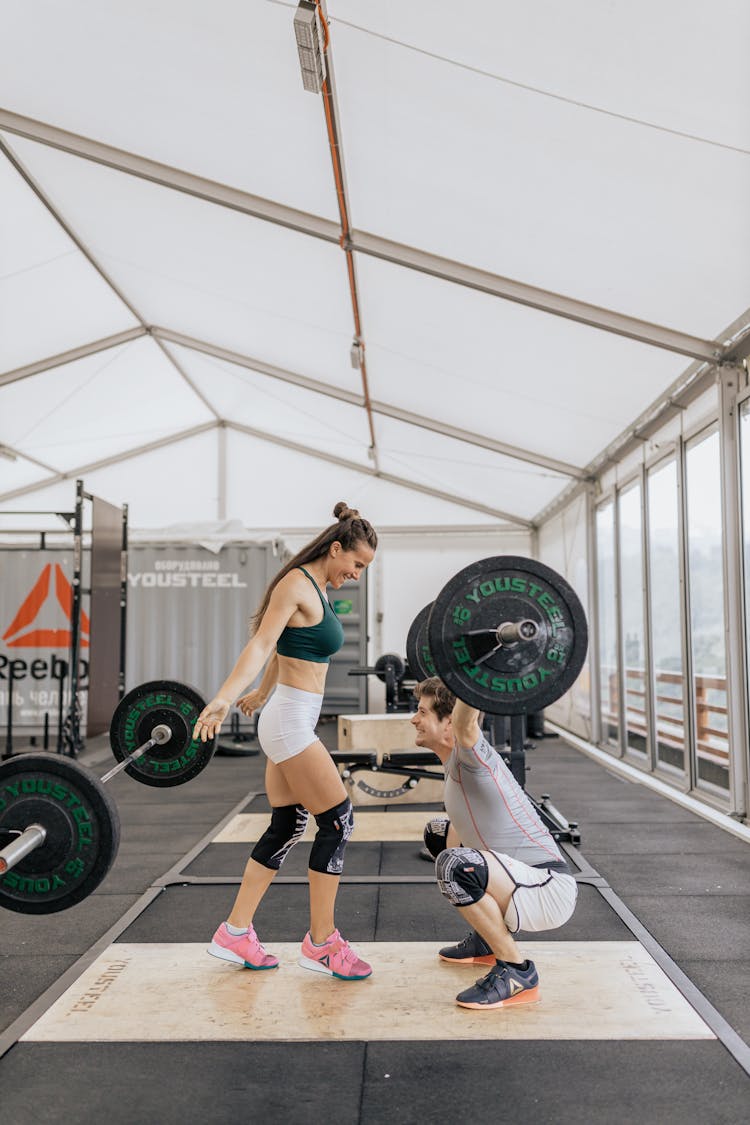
point(409, 257)
point(709, 354)
point(222, 425)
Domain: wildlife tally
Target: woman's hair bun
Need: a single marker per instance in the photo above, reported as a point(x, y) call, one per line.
point(342, 511)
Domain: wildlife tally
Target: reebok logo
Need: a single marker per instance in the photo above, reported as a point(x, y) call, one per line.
point(40, 603)
point(515, 986)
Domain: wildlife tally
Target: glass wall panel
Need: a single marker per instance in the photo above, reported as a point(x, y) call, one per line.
point(630, 514)
point(706, 576)
point(607, 624)
point(745, 485)
point(666, 613)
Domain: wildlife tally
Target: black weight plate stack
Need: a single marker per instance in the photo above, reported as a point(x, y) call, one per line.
point(417, 646)
point(507, 679)
point(82, 826)
point(395, 662)
point(177, 706)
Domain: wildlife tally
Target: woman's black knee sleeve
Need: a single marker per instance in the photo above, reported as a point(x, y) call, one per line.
point(335, 826)
point(287, 827)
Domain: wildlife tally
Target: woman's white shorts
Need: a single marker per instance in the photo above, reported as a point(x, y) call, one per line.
point(542, 900)
point(286, 725)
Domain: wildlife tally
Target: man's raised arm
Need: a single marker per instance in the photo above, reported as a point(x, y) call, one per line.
point(465, 723)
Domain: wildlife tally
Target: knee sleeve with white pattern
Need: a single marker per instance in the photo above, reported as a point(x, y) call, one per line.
point(335, 826)
point(287, 827)
point(462, 875)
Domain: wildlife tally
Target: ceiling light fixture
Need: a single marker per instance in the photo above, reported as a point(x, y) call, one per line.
point(309, 35)
point(356, 353)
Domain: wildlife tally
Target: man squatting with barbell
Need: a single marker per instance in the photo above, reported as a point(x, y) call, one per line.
point(495, 861)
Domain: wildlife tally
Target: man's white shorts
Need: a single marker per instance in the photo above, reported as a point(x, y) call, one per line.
point(542, 900)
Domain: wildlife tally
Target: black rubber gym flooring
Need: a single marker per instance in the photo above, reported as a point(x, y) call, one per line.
point(686, 881)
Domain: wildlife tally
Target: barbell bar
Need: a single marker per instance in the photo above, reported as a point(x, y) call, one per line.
point(160, 735)
point(33, 837)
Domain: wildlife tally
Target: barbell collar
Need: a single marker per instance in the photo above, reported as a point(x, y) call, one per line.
point(31, 838)
point(510, 632)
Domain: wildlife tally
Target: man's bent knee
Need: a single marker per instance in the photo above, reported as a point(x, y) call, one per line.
point(462, 875)
point(335, 826)
point(435, 835)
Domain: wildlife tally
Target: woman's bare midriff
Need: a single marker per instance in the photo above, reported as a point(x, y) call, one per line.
point(306, 675)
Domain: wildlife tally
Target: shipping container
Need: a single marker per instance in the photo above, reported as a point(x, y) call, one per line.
point(189, 612)
point(189, 609)
point(188, 617)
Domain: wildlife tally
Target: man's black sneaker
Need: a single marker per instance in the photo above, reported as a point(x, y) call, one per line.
point(503, 986)
point(472, 950)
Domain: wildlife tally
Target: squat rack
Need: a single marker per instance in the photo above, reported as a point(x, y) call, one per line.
point(69, 740)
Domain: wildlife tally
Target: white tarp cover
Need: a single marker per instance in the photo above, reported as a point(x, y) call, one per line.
point(193, 360)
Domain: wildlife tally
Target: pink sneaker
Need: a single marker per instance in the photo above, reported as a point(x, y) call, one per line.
point(336, 958)
point(242, 949)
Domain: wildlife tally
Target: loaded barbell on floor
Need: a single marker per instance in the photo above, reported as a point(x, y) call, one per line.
point(60, 827)
point(173, 761)
point(62, 830)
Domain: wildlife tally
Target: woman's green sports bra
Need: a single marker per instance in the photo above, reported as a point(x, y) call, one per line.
point(313, 642)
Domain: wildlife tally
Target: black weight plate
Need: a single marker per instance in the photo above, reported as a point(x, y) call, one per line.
point(417, 647)
point(160, 701)
point(232, 749)
point(516, 678)
point(83, 832)
point(397, 663)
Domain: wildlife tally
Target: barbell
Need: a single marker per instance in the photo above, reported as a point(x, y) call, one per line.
point(60, 829)
point(507, 635)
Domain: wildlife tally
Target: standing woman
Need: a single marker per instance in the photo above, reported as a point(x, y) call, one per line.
point(295, 633)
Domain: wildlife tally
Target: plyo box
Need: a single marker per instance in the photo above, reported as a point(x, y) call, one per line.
point(381, 733)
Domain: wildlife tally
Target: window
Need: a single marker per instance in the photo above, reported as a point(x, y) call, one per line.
point(607, 624)
point(706, 581)
point(630, 540)
point(745, 485)
point(666, 615)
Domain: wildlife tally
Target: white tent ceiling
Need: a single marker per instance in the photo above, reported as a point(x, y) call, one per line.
point(546, 219)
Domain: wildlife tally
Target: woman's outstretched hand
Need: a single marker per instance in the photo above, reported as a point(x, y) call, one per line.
point(208, 723)
point(250, 702)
